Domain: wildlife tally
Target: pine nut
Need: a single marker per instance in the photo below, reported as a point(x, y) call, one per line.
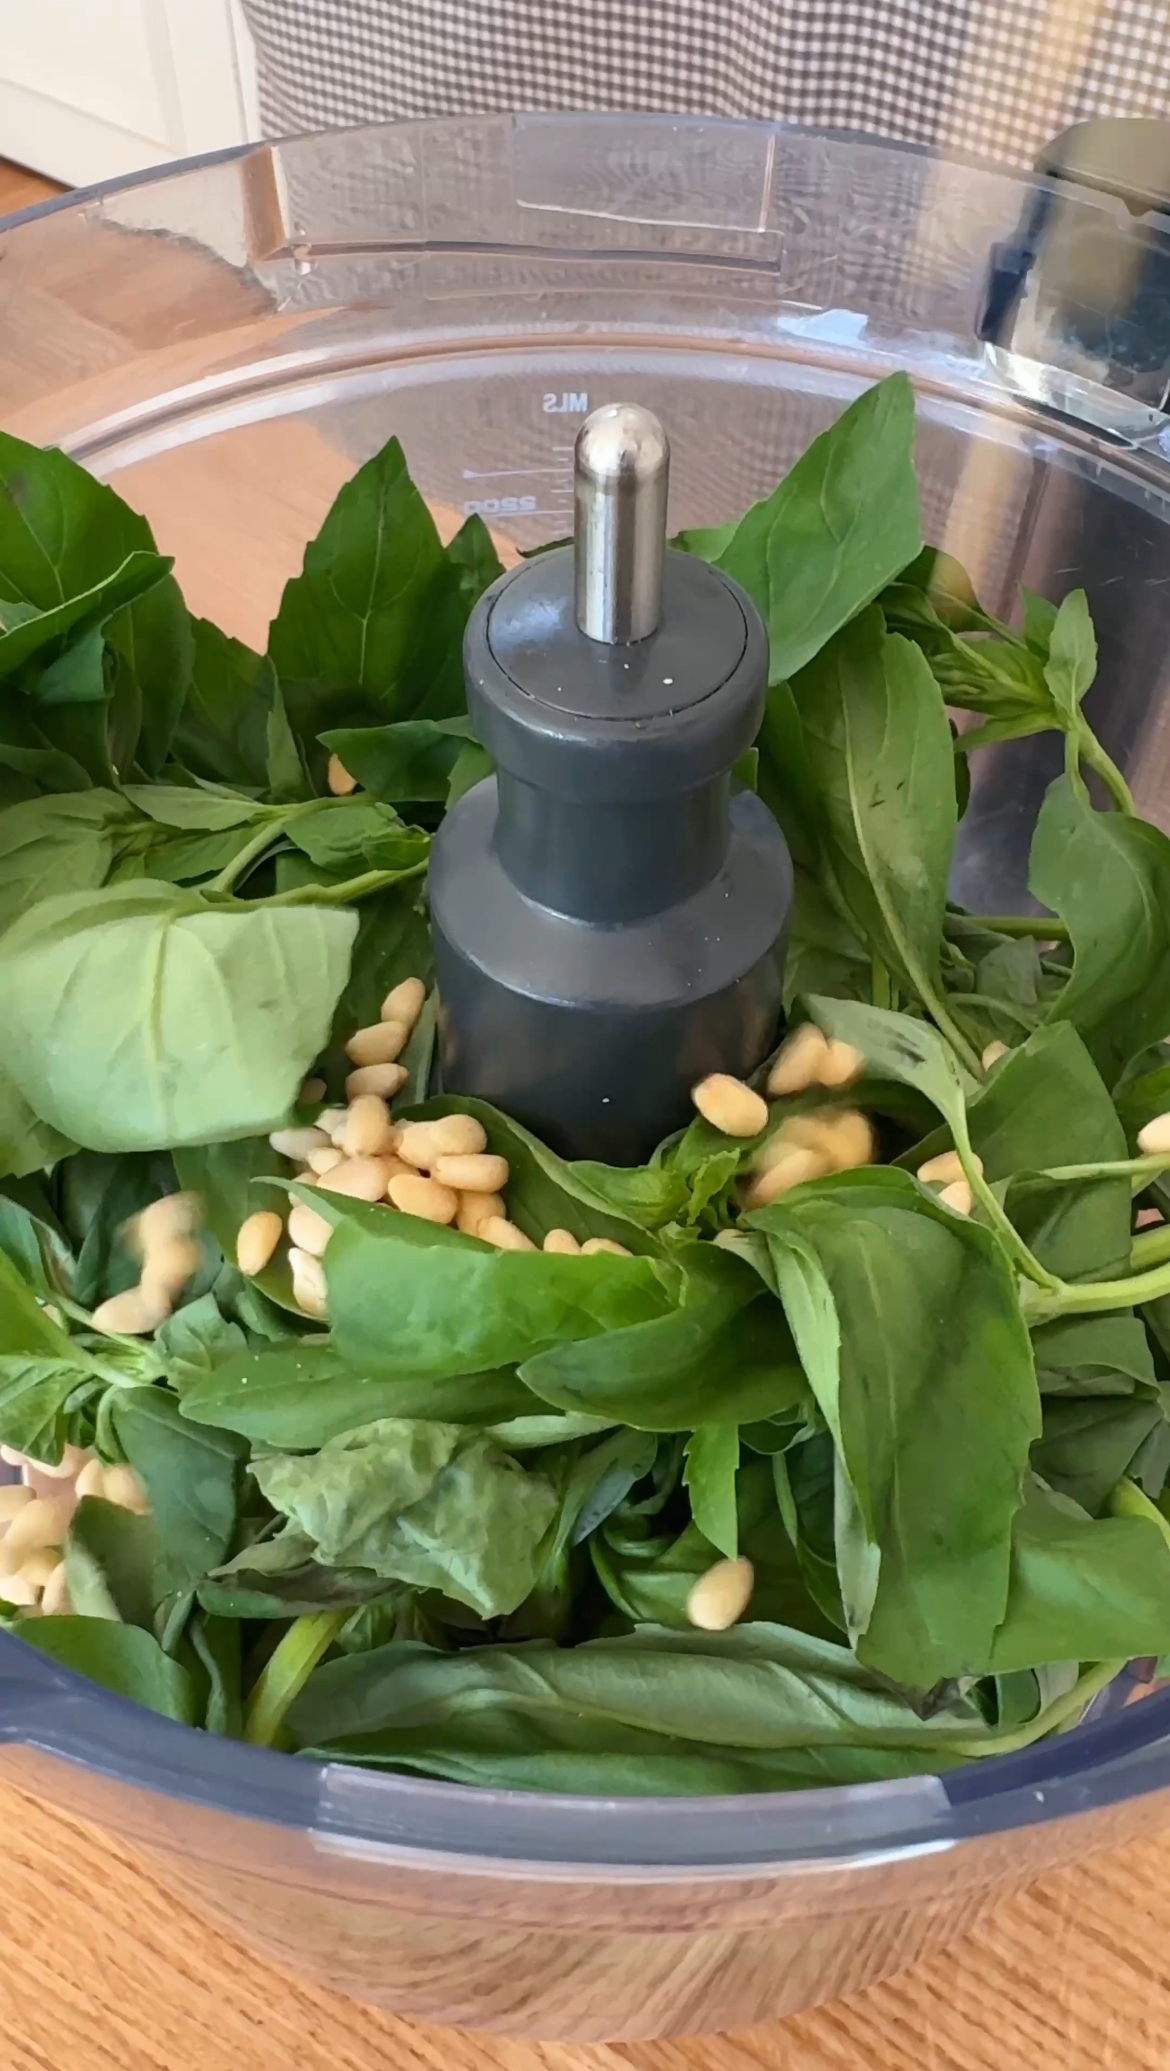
point(308, 1282)
point(947, 1167)
point(163, 1221)
point(561, 1241)
point(362, 1179)
point(457, 1136)
point(257, 1239)
point(55, 1601)
point(134, 1313)
point(14, 1497)
point(298, 1145)
point(504, 1235)
point(415, 1195)
point(167, 1268)
point(798, 1065)
point(324, 1161)
point(15, 1590)
point(993, 1053)
point(333, 1123)
point(841, 1064)
point(849, 1139)
point(422, 1144)
point(404, 1002)
point(71, 1462)
point(721, 1596)
point(338, 778)
point(475, 1173)
point(381, 1043)
point(594, 1245)
point(40, 1523)
point(386, 1079)
point(311, 1092)
point(792, 1170)
point(307, 1230)
point(729, 1105)
point(958, 1196)
point(123, 1487)
point(476, 1209)
point(92, 1480)
point(368, 1129)
point(41, 1566)
point(1154, 1137)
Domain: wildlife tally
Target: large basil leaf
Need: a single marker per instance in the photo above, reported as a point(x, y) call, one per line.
point(408, 763)
point(1082, 1589)
point(122, 1658)
point(433, 1505)
point(191, 1477)
point(185, 1023)
point(54, 845)
point(371, 630)
point(663, 1713)
point(302, 1394)
point(410, 1300)
point(222, 732)
point(841, 525)
point(880, 757)
point(1108, 877)
point(724, 1356)
point(908, 1326)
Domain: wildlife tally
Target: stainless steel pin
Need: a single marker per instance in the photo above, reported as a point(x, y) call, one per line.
point(621, 467)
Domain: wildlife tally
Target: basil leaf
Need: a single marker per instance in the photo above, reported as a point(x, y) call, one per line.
point(191, 1477)
point(1082, 1588)
point(712, 1463)
point(410, 762)
point(109, 1563)
point(182, 1027)
point(880, 758)
point(932, 1417)
point(1071, 662)
point(54, 845)
point(121, 1658)
point(371, 630)
point(1108, 877)
point(300, 1395)
point(840, 526)
point(221, 732)
point(430, 1504)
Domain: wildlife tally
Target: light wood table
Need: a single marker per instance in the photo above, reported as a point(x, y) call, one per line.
point(103, 1970)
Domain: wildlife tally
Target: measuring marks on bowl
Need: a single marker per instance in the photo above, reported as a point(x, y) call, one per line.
point(543, 489)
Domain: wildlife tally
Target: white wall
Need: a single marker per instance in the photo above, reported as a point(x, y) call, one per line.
point(93, 88)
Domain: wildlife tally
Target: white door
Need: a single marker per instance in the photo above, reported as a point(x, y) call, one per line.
point(93, 88)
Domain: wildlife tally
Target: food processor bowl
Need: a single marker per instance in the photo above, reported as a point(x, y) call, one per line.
point(226, 342)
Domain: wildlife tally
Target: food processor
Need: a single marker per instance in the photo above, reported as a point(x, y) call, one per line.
point(226, 343)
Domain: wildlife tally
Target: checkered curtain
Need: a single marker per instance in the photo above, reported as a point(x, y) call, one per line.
point(986, 79)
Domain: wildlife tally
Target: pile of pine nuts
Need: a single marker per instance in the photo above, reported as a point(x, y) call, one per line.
point(441, 1171)
point(34, 1525)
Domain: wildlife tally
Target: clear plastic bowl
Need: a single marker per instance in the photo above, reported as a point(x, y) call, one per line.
point(226, 342)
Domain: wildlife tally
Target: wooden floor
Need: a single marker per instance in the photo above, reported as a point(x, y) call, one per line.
point(20, 189)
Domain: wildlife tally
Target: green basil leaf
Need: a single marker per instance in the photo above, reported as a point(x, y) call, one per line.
point(841, 525)
point(432, 1505)
point(183, 1025)
point(1082, 1588)
point(1108, 877)
point(372, 629)
point(413, 1301)
point(221, 732)
point(191, 1477)
point(109, 1563)
point(54, 845)
point(880, 756)
point(407, 763)
point(300, 1395)
point(122, 1658)
point(908, 1326)
point(712, 1464)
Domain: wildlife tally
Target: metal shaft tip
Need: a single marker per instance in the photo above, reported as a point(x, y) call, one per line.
point(621, 468)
